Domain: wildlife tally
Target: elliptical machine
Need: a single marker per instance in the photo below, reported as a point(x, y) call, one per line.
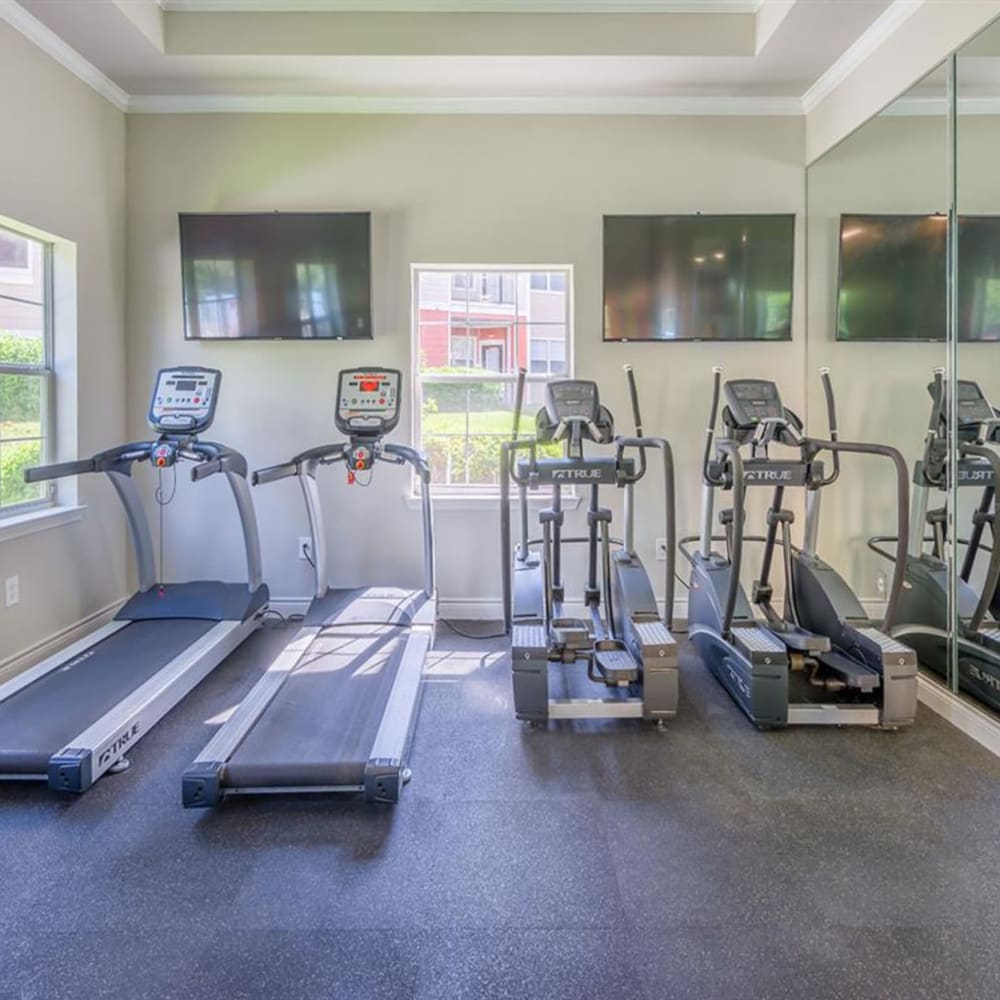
point(822, 660)
point(922, 620)
point(624, 641)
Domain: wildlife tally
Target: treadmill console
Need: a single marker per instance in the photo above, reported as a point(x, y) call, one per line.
point(751, 400)
point(567, 398)
point(368, 401)
point(184, 399)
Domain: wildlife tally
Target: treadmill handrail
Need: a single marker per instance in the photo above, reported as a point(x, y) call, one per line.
point(119, 459)
point(117, 463)
point(304, 466)
point(214, 457)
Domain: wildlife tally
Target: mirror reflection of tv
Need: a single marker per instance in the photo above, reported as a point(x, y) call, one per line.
point(698, 277)
point(979, 277)
point(277, 276)
point(893, 278)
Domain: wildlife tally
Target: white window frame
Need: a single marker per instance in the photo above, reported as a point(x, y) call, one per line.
point(46, 373)
point(472, 492)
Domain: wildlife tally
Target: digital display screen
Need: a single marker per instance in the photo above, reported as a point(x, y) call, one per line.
point(698, 277)
point(368, 384)
point(185, 385)
point(757, 390)
point(968, 392)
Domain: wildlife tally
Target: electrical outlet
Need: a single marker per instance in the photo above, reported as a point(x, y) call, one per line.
point(661, 550)
point(880, 583)
point(12, 591)
point(305, 547)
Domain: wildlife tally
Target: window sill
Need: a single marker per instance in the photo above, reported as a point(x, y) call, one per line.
point(487, 501)
point(31, 522)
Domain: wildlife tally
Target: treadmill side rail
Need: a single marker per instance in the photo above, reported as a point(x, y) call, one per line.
point(384, 774)
point(78, 765)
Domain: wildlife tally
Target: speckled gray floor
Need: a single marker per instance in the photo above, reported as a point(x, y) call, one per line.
point(587, 860)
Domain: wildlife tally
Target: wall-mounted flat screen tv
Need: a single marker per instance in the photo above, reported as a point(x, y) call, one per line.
point(892, 277)
point(698, 277)
point(277, 276)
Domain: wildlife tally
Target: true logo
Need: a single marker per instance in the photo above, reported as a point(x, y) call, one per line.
point(975, 475)
point(768, 475)
point(978, 674)
point(584, 474)
point(112, 752)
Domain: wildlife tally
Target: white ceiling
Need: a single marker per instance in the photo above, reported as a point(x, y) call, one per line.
point(744, 56)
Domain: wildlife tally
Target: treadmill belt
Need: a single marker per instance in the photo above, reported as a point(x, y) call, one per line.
point(320, 727)
point(47, 715)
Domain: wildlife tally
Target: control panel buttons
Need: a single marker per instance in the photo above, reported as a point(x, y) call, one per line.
point(368, 401)
point(184, 399)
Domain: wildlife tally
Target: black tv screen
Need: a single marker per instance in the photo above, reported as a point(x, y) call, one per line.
point(892, 277)
point(285, 276)
point(698, 277)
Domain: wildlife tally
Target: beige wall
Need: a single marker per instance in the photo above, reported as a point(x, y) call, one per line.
point(62, 171)
point(451, 189)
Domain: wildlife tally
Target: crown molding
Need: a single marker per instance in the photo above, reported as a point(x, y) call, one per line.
point(464, 6)
point(866, 44)
point(929, 106)
point(708, 107)
point(67, 57)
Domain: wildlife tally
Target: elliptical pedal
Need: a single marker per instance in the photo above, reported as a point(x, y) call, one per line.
point(991, 636)
point(857, 676)
point(616, 666)
point(571, 633)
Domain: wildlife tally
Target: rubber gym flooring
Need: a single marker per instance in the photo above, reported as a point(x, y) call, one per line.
point(586, 860)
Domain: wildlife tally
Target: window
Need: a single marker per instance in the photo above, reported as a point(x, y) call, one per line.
point(474, 327)
point(547, 356)
point(548, 281)
point(25, 368)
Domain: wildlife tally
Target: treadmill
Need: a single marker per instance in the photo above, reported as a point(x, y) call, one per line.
point(75, 715)
point(335, 711)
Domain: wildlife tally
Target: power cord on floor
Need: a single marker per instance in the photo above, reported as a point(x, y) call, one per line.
point(470, 635)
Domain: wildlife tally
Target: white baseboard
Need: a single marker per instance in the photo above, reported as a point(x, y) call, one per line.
point(13, 665)
point(981, 726)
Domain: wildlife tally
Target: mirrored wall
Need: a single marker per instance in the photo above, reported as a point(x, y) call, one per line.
point(903, 262)
point(976, 111)
point(878, 210)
